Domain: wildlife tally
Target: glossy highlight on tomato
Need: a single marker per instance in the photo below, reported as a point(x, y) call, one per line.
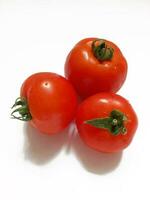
point(48, 101)
point(106, 122)
point(95, 65)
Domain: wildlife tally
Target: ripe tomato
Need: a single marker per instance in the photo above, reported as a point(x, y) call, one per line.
point(106, 122)
point(48, 101)
point(95, 65)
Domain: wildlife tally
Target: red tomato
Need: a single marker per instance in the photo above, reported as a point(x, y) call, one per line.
point(106, 122)
point(48, 101)
point(95, 65)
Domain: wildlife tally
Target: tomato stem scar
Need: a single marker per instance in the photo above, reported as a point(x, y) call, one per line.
point(101, 51)
point(21, 110)
point(114, 123)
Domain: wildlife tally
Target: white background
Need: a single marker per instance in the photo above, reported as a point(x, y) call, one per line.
point(36, 35)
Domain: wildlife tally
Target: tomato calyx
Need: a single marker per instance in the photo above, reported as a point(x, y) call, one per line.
point(21, 110)
point(101, 51)
point(114, 123)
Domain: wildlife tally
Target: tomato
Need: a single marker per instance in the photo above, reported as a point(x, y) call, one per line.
point(48, 101)
point(95, 65)
point(106, 122)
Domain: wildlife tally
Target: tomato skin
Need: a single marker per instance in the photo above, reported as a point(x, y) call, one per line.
point(100, 106)
point(52, 101)
point(89, 75)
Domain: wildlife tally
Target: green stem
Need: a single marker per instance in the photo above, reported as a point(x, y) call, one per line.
point(101, 51)
point(21, 110)
point(114, 123)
